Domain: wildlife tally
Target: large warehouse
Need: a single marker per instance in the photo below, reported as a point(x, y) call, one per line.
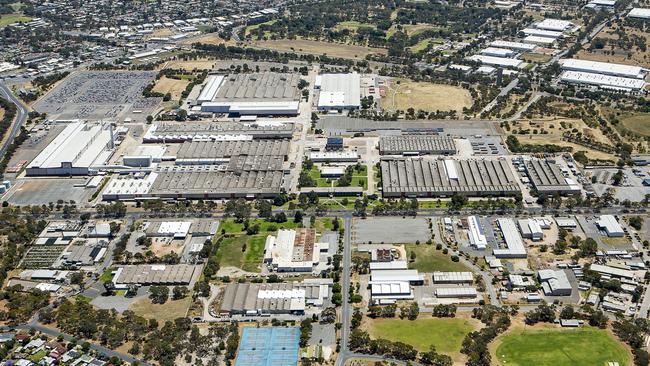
point(419, 177)
point(155, 274)
point(221, 152)
point(416, 145)
point(78, 150)
point(514, 244)
point(339, 91)
point(604, 75)
point(292, 250)
point(166, 132)
point(604, 68)
point(265, 93)
point(547, 178)
point(639, 13)
point(498, 61)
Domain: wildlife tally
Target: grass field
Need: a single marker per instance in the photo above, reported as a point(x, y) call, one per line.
point(231, 253)
point(428, 259)
point(255, 26)
point(404, 94)
point(445, 334)
point(638, 123)
point(558, 347)
point(7, 19)
point(319, 48)
point(422, 45)
point(232, 227)
point(175, 87)
point(359, 178)
point(535, 57)
point(353, 26)
point(170, 310)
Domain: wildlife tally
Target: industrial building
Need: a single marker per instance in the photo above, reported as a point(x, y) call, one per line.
point(339, 91)
point(558, 25)
point(608, 272)
point(537, 40)
point(155, 274)
point(220, 152)
point(531, 229)
point(420, 177)
point(333, 156)
point(554, 282)
point(610, 226)
point(292, 250)
point(615, 83)
point(456, 292)
point(497, 61)
point(518, 46)
point(498, 52)
point(255, 299)
point(83, 255)
point(80, 149)
point(410, 276)
point(453, 277)
point(475, 232)
point(171, 229)
point(515, 246)
point(604, 68)
point(166, 132)
point(416, 145)
point(387, 292)
point(547, 178)
point(542, 33)
point(639, 13)
point(265, 93)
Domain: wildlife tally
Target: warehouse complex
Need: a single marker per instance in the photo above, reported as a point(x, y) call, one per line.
point(603, 75)
point(80, 149)
point(416, 145)
point(639, 13)
point(220, 152)
point(338, 91)
point(554, 282)
point(255, 299)
point(547, 178)
point(155, 274)
point(420, 177)
point(251, 94)
point(292, 250)
point(166, 132)
point(514, 244)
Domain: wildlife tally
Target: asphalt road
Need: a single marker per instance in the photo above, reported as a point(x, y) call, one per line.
point(21, 116)
point(345, 307)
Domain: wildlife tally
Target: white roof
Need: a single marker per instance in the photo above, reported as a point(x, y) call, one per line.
point(643, 13)
point(554, 24)
point(43, 273)
point(386, 275)
point(539, 40)
point(332, 170)
point(388, 265)
point(476, 235)
point(609, 224)
point(453, 277)
point(333, 155)
point(513, 45)
point(499, 61)
point(387, 288)
point(211, 87)
point(542, 33)
point(603, 2)
point(450, 167)
point(565, 222)
point(456, 291)
point(603, 68)
point(178, 228)
point(612, 271)
point(340, 90)
point(512, 239)
point(497, 52)
point(605, 81)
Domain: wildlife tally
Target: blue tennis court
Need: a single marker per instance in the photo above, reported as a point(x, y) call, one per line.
point(271, 346)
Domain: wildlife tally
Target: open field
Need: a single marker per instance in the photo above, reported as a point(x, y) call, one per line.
point(423, 44)
point(558, 347)
point(429, 259)
point(319, 48)
point(403, 94)
point(353, 26)
point(8, 19)
point(242, 251)
point(535, 57)
point(446, 334)
point(208, 38)
point(170, 310)
point(637, 123)
point(190, 65)
point(174, 86)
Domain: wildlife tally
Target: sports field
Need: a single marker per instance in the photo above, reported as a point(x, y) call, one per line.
point(7, 19)
point(319, 48)
point(446, 334)
point(429, 259)
point(559, 347)
point(403, 94)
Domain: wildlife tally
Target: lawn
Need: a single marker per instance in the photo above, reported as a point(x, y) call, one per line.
point(232, 227)
point(353, 26)
point(428, 259)
point(255, 26)
point(403, 94)
point(446, 334)
point(232, 253)
point(557, 347)
point(170, 310)
point(8, 19)
point(535, 57)
point(359, 178)
point(638, 123)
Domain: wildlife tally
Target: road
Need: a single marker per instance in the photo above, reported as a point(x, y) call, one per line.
point(21, 117)
point(345, 307)
point(511, 85)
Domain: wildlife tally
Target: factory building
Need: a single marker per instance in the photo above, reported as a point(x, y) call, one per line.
point(339, 91)
point(292, 250)
point(166, 132)
point(547, 178)
point(615, 83)
point(518, 46)
point(80, 149)
point(389, 292)
point(515, 246)
point(497, 61)
point(608, 272)
point(531, 229)
point(259, 299)
point(333, 156)
point(555, 25)
point(554, 283)
point(610, 226)
point(476, 234)
point(155, 274)
point(222, 152)
point(498, 52)
point(419, 177)
point(597, 5)
point(542, 33)
point(456, 292)
point(639, 13)
point(410, 276)
point(251, 94)
point(604, 75)
point(453, 277)
point(604, 68)
point(416, 145)
point(172, 229)
point(537, 40)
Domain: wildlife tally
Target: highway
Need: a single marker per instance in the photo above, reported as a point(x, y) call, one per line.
point(21, 117)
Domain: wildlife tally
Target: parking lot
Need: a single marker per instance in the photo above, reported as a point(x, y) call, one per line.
point(390, 230)
point(44, 191)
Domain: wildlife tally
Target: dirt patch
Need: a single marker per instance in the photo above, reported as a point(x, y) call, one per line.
point(163, 246)
point(403, 94)
point(319, 48)
point(170, 310)
point(191, 65)
point(210, 38)
point(173, 86)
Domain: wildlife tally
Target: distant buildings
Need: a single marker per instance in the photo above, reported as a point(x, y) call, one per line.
point(416, 145)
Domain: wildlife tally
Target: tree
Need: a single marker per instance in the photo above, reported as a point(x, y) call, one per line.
point(636, 222)
point(431, 357)
point(179, 292)
point(264, 208)
point(158, 294)
point(297, 216)
point(239, 209)
point(458, 201)
point(588, 247)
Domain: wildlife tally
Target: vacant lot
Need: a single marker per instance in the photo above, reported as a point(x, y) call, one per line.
point(7, 19)
point(191, 65)
point(632, 56)
point(428, 259)
point(319, 48)
point(208, 38)
point(638, 123)
point(353, 26)
point(403, 94)
point(170, 310)
point(167, 85)
point(242, 251)
point(390, 230)
point(559, 347)
point(444, 334)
